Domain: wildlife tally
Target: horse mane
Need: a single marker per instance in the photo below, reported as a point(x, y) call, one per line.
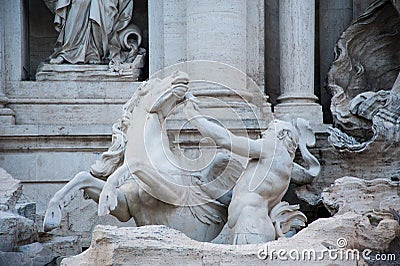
point(114, 156)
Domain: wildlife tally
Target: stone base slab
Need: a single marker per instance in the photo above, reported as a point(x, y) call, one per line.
point(129, 72)
point(310, 111)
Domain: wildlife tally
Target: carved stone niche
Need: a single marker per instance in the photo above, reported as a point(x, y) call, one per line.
point(98, 40)
point(365, 102)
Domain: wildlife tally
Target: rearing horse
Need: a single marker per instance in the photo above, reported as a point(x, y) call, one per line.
point(126, 184)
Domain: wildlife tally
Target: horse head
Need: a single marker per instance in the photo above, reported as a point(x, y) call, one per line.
point(169, 91)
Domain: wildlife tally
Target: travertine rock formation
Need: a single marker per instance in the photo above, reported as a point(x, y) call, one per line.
point(362, 196)
point(20, 243)
point(159, 244)
point(15, 230)
point(10, 191)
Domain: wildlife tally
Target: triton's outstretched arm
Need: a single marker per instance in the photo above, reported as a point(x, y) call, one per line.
point(222, 136)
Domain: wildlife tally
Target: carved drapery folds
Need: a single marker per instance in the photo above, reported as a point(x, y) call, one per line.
point(94, 33)
point(365, 103)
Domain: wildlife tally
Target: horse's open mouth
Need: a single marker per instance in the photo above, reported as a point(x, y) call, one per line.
point(179, 78)
point(180, 86)
point(180, 82)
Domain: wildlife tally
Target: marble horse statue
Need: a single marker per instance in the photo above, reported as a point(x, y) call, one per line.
point(167, 196)
point(139, 177)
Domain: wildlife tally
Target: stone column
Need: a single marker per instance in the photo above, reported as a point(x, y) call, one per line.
point(297, 45)
point(16, 63)
point(217, 31)
point(156, 35)
point(227, 31)
point(6, 114)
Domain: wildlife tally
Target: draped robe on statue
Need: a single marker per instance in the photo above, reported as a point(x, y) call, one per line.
point(89, 29)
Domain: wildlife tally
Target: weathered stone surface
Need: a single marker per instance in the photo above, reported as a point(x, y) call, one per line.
point(63, 246)
point(39, 254)
point(154, 245)
point(10, 191)
point(358, 231)
point(362, 196)
point(309, 194)
point(15, 259)
point(31, 250)
point(159, 244)
point(26, 209)
point(15, 230)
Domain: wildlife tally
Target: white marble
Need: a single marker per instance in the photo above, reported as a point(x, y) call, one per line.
point(257, 195)
point(94, 32)
point(125, 72)
point(160, 190)
point(297, 44)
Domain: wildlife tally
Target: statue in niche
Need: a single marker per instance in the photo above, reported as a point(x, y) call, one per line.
point(364, 81)
point(257, 195)
point(140, 177)
point(96, 33)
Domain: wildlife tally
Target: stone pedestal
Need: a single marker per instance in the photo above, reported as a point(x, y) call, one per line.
point(297, 37)
point(129, 72)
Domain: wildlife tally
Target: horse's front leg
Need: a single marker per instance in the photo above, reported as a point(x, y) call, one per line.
point(110, 197)
point(64, 196)
point(92, 187)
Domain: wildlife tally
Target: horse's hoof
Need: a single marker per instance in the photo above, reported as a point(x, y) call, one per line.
point(107, 201)
point(102, 209)
point(52, 218)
